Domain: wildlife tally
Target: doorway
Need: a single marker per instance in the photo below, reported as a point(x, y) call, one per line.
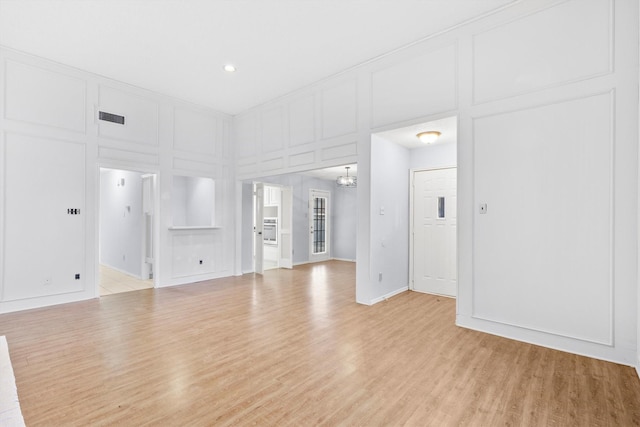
point(126, 231)
point(340, 237)
point(319, 225)
point(399, 156)
point(434, 222)
point(272, 227)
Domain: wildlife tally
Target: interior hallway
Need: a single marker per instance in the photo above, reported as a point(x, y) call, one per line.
point(114, 282)
point(293, 348)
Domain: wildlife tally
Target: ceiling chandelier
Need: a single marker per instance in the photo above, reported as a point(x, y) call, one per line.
point(347, 181)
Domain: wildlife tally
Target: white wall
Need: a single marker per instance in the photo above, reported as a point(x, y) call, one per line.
point(121, 221)
point(51, 149)
point(246, 230)
point(389, 217)
point(523, 97)
point(345, 219)
point(434, 156)
point(193, 201)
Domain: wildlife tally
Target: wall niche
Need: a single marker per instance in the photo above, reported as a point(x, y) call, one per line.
point(193, 202)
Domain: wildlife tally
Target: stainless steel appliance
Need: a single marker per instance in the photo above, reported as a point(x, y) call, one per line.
point(270, 231)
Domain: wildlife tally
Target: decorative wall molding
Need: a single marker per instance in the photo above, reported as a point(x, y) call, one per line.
point(589, 105)
point(513, 57)
point(27, 86)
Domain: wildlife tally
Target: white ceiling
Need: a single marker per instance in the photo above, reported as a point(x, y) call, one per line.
point(178, 47)
point(406, 136)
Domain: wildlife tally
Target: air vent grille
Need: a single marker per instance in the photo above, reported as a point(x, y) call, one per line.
point(109, 117)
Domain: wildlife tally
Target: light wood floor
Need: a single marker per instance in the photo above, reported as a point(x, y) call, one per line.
point(114, 282)
point(293, 348)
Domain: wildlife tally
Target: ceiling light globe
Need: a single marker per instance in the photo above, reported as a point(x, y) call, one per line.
point(429, 137)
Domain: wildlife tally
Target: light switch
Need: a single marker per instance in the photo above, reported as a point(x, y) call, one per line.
point(381, 210)
point(483, 208)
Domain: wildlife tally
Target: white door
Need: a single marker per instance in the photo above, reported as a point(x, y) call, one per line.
point(286, 228)
point(434, 231)
point(318, 225)
point(258, 223)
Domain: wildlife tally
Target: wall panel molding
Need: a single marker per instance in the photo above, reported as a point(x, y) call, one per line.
point(302, 159)
point(34, 94)
point(141, 116)
point(516, 57)
point(109, 153)
point(207, 169)
point(189, 248)
point(339, 109)
point(272, 129)
point(418, 86)
point(273, 164)
point(194, 131)
point(39, 190)
point(579, 266)
point(302, 120)
point(339, 151)
point(246, 135)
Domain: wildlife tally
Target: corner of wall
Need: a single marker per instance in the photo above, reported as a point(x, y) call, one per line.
point(390, 294)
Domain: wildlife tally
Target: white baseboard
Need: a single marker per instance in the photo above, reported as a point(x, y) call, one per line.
point(638, 369)
point(622, 355)
point(330, 259)
point(389, 295)
point(128, 273)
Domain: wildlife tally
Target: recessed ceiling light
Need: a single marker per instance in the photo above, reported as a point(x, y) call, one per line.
point(230, 68)
point(428, 137)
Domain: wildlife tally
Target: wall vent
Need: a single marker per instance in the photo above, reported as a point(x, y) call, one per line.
point(109, 117)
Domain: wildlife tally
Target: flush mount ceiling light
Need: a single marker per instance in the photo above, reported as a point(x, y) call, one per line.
point(229, 68)
point(347, 181)
point(428, 137)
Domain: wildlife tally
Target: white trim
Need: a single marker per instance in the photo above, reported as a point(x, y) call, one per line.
point(119, 270)
point(621, 355)
point(194, 227)
point(434, 294)
point(389, 295)
point(343, 259)
point(156, 223)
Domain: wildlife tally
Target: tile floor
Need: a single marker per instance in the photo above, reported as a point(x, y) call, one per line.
point(115, 282)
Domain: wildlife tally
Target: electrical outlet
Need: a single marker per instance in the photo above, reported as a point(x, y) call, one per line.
point(483, 208)
point(47, 281)
point(379, 277)
point(200, 262)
